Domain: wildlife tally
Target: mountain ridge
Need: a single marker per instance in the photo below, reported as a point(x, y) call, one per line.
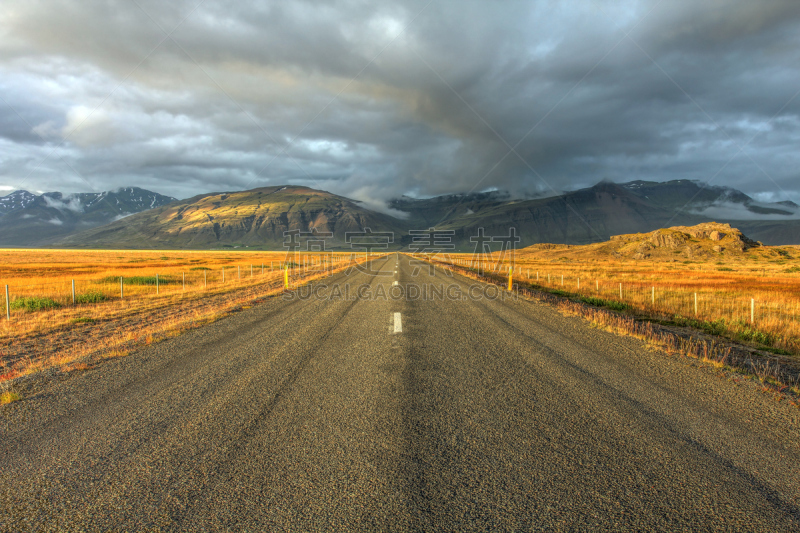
point(259, 217)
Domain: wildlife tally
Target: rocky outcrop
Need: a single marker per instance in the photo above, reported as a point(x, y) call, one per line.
point(700, 242)
point(669, 238)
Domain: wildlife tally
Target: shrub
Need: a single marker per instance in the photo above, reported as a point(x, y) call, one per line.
point(34, 303)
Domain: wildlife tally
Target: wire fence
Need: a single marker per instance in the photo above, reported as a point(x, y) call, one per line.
point(30, 295)
point(769, 317)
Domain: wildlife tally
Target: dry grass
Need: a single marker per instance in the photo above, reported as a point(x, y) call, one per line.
point(765, 281)
point(46, 276)
point(109, 326)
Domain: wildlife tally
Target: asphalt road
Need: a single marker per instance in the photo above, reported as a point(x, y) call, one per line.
point(359, 411)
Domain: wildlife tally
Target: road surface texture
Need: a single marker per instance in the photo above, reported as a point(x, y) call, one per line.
point(364, 412)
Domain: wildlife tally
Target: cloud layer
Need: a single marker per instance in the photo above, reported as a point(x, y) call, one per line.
point(378, 99)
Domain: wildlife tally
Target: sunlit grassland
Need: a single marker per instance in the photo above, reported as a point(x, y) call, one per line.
point(753, 298)
point(41, 295)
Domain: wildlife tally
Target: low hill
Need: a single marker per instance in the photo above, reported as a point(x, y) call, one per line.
point(702, 242)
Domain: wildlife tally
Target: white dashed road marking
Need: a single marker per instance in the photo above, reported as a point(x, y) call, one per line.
point(398, 323)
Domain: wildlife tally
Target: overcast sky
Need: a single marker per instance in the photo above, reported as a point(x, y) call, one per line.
point(375, 99)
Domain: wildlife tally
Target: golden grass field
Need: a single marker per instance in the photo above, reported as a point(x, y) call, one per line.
point(764, 281)
point(750, 295)
point(47, 330)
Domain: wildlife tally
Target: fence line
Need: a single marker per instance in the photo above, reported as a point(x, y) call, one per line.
point(757, 313)
point(92, 290)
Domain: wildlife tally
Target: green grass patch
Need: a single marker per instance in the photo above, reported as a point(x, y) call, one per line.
point(143, 280)
point(609, 304)
point(725, 269)
point(83, 320)
point(716, 327)
point(558, 292)
point(91, 297)
point(199, 268)
point(736, 330)
point(754, 335)
point(33, 303)
point(9, 397)
point(776, 351)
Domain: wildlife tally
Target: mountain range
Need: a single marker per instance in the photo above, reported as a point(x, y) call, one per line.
point(27, 219)
point(258, 218)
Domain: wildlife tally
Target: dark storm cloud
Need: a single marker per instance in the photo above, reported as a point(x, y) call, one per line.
point(377, 99)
